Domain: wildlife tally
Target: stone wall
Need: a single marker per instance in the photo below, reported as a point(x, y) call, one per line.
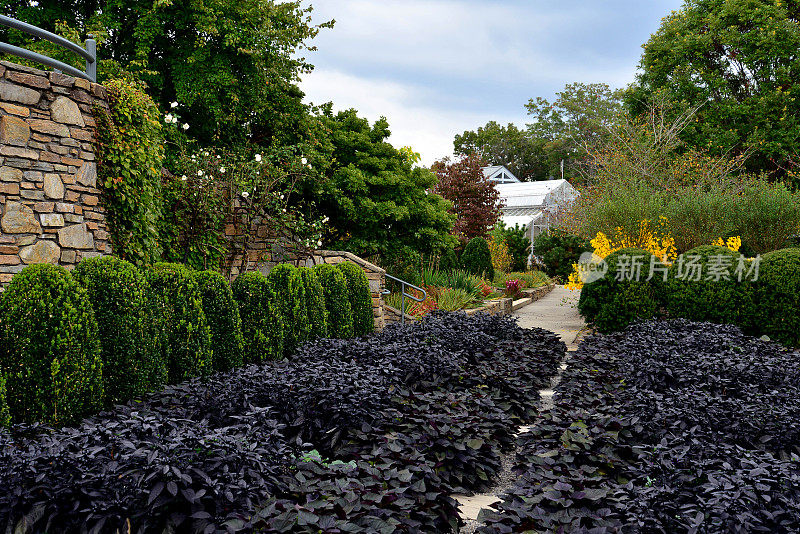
point(50, 208)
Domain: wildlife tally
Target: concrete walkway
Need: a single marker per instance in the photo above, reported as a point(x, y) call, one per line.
point(558, 312)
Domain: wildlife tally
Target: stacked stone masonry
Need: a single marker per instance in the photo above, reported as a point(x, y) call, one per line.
point(50, 209)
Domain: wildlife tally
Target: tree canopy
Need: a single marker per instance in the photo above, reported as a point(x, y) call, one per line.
point(506, 145)
point(378, 201)
point(737, 61)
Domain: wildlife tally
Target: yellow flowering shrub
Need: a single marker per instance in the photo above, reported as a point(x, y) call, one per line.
point(501, 257)
point(733, 243)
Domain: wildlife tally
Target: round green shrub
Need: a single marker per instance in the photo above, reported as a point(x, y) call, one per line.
point(182, 331)
point(290, 298)
point(477, 259)
point(718, 296)
point(262, 324)
point(777, 293)
point(315, 304)
point(559, 250)
point(337, 303)
point(222, 314)
point(50, 350)
point(117, 292)
point(5, 415)
point(360, 298)
point(448, 261)
point(611, 304)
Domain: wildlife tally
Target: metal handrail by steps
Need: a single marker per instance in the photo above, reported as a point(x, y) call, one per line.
point(403, 295)
point(89, 53)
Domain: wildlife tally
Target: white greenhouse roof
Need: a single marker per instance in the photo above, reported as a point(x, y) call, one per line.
point(522, 220)
point(528, 194)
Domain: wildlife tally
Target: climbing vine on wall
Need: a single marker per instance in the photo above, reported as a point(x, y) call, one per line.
point(130, 150)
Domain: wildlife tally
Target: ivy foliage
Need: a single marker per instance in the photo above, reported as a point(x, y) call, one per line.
point(130, 153)
point(182, 332)
point(117, 291)
point(337, 303)
point(50, 352)
point(360, 298)
point(290, 299)
point(222, 314)
point(315, 303)
point(262, 325)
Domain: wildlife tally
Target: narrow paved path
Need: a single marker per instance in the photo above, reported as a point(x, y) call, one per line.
point(558, 312)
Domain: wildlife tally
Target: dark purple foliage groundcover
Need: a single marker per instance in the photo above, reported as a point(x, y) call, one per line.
point(665, 427)
point(400, 420)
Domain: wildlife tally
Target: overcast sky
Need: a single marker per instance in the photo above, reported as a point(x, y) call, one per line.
point(435, 68)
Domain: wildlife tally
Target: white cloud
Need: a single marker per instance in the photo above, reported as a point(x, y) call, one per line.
point(426, 128)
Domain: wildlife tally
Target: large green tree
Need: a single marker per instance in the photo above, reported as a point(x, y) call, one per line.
point(377, 200)
point(573, 124)
point(521, 153)
point(232, 65)
point(738, 61)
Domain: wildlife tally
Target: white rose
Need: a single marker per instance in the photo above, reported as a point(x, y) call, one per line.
point(245, 194)
point(258, 157)
point(168, 118)
point(184, 178)
point(222, 170)
point(185, 126)
point(173, 105)
point(304, 161)
point(199, 173)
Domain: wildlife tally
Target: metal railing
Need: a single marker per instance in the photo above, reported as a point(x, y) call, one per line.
point(89, 53)
point(403, 295)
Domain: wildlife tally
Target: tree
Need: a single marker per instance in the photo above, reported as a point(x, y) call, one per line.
point(475, 200)
point(506, 145)
point(377, 200)
point(737, 61)
point(573, 123)
point(232, 66)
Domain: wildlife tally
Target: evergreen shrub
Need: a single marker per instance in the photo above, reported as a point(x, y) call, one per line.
point(360, 298)
point(337, 303)
point(477, 258)
point(262, 324)
point(50, 353)
point(183, 335)
point(315, 304)
point(777, 296)
point(117, 291)
point(222, 315)
point(290, 297)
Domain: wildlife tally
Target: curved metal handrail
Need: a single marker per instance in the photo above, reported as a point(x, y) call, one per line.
point(89, 53)
point(403, 295)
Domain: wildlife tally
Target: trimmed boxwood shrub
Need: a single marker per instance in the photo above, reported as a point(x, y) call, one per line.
point(5, 415)
point(176, 306)
point(611, 304)
point(477, 259)
point(117, 292)
point(222, 314)
point(262, 324)
point(290, 298)
point(778, 296)
point(337, 304)
point(50, 350)
point(559, 250)
point(315, 304)
point(715, 300)
point(360, 298)
point(449, 260)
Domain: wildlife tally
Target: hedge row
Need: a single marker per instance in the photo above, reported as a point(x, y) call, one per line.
point(361, 435)
point(109, 332)
point(727, 291)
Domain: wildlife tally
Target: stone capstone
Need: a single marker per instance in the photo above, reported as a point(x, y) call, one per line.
point(14, 131)
point(40, 252)
point(19, 219)
point(66, 111)
point(87, 175)
point(76, 236)
point(53, 186)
